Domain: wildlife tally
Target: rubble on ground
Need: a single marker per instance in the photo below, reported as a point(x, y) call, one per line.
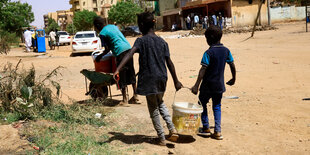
point(248, 29)
point(198, 31)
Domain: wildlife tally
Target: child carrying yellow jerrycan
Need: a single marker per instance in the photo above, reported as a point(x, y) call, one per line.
point(186, 117)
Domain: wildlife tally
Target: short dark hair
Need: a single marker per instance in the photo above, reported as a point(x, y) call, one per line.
point(213, 34)
point(99, 23)
point(146, 21)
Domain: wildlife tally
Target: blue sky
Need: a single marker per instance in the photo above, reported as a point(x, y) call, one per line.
point(41, 7)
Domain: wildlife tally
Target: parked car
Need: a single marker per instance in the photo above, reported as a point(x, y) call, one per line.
point(64, 38)
point(85, 41)
point(131, 31)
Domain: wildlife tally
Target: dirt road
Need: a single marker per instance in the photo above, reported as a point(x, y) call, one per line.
point(273, 72)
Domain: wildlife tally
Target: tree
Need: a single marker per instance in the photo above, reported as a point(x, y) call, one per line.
point(51, 25)
point(6, 39)
point(83, 20)
point(124, 13)
point(71, 28)
point(15, 16)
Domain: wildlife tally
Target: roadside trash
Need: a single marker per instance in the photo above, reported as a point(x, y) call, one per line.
point(230, 97)
point(36, 148)
point(5, 119)
point(98, 115)
point(305, 99)
point(18, 125)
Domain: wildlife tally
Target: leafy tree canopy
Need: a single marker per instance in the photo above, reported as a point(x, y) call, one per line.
point(83, 20)
point(124, 13)
point(51, 25)
point(71, 28)
point(15, 15)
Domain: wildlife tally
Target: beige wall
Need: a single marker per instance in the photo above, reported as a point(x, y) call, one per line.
point(63, 18)
point(100, 6)
point(166, 5)
point(244, 14)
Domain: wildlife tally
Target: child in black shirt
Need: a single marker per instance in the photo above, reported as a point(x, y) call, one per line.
point(152, 78)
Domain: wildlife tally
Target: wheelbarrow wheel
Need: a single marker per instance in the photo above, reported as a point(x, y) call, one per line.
point(98, 91)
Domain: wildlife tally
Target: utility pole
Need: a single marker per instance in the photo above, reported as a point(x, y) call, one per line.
point(258, 14)
point(306, 17)
point(268, 7)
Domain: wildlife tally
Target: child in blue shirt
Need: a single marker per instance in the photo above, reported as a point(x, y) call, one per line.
point(212, 76)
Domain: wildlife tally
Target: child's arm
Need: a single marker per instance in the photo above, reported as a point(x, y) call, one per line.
point(202, 72)
point(233, 73)
point(126, 58)
point(177, 84)
point(106, 48)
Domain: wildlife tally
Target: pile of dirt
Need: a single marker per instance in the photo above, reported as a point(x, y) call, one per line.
point(11, 143)
point(197, 30)
point(248, 29)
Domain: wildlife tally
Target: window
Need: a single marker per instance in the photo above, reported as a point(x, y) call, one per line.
point(86, 35)
point(83, 3)
point(96, 9)
point(95, 1)
point(111, 1)
point(62, 33)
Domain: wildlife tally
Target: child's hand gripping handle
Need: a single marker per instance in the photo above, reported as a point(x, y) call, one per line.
point(116, 78)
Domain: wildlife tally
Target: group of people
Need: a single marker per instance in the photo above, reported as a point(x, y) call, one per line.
point(154, 59)
point(30, 39)
point(206, 21)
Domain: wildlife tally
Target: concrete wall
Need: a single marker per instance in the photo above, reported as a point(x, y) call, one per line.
point(244, 14)
point(281, 14)
point(166, 5)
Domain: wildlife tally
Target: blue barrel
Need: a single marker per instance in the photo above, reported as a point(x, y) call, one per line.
point(41, 41)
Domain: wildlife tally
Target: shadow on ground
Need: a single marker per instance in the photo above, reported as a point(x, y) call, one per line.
point(139, 139)
point(107, 102)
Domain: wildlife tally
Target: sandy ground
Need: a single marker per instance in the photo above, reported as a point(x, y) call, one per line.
point(273, 72)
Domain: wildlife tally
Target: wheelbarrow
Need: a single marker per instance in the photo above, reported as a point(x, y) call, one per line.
point(100, 83)
point(101, 78)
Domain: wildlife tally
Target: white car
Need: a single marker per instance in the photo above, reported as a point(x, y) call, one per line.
point(85, 41)
point(64, 37)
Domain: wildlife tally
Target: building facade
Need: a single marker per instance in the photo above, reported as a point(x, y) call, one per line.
point(62, 17)
point(101, 7)
point(238, 12)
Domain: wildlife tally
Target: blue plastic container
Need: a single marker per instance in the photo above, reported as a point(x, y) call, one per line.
point(41, 41)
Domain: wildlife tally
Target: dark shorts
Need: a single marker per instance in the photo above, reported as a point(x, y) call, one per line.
point(127, 73)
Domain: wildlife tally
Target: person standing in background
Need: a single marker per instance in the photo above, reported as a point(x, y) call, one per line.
point(205, 22)
point(196, 20)
point(34, 40)
point(220, 21)
point(52, 36)
point(28, 39)
point(188, 22)
point(214, 19)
